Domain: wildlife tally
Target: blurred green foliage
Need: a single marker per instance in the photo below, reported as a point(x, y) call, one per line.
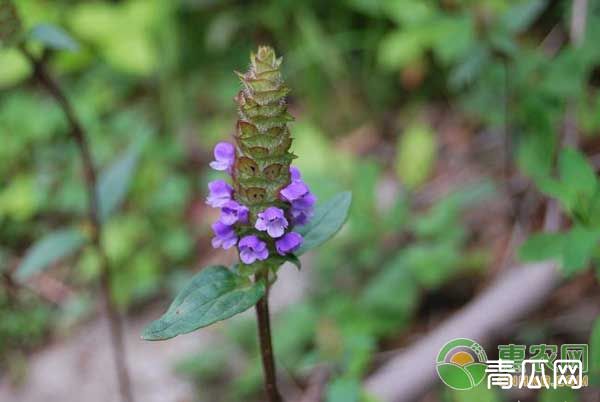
point(159, 73)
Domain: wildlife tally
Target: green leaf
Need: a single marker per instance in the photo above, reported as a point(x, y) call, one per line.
point(214, 294)
point(576, 171)
point(294, 260)
point(518, 18)
point(595, 354)
point(479, 393)
point(416, 155)
point(542, 246)
point(52, 248)
point(53, 37)
point(344, 390)
point(559, 395)
point(579, 247)
point(115, 181)
point(327, 220)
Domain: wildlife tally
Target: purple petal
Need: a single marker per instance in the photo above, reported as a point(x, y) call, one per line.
point(252, 248)
point(247, 256)
point(294, 191)
point(300, 217)
point(289, 243)
point(276, 229)
point(305, 202)
point(219, 193)
point(263, 254)
point(273, 221)
point(295, 173)
point(233, 212)
point(224, 156)
point(224, 235)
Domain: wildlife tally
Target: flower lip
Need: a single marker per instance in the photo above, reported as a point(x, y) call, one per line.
point(232, 212)
point(220, 192)
point(225, 236)
point(252, 249)
point(224, 153)
point(273, 221)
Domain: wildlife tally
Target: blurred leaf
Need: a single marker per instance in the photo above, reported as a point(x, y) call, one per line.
point(542, 246)
point(328, 218)
point(479, 393)
point(519, 17)
point(595, 354)
point(52, 248)
point(432, 264)
point(53, 37)
point(416, 155)
point(535, 153)
point(391, 294)
point(468, 69)
point(579, 247)
point(114, 181)
point(214, 294)
point(15, 67)
point(401, 47)
point(344, 390)
point(576, 171)
point(562, 394)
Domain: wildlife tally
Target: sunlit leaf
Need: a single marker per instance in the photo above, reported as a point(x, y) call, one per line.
point(214, 294)
point(416, 155)
point(52, 248)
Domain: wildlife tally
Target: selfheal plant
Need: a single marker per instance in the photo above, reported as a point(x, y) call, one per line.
point(266, 210)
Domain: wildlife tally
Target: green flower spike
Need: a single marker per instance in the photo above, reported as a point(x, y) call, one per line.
point(262, 160)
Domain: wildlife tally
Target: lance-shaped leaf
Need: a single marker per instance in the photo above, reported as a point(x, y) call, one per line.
point(214, 294)
point(53, 37)
point(115, 181)
point(52, 248)
point(327, 220)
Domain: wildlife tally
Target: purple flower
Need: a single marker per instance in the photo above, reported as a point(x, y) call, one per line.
point(302, 200)
point(295, 173)
point(224, 235)
point(232, 212)
point(219, 193)
point(289, 243)
point(224, 156)
point(294, 191)
point(273, 221)
point(252, 249)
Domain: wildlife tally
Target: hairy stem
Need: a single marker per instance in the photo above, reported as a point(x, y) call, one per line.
point(266, 346)
point(78, 134)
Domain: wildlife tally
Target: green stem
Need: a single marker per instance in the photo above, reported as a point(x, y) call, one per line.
point(78, 134)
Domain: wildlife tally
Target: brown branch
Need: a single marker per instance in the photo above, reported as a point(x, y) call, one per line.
point(266, 346)
point(77, 133)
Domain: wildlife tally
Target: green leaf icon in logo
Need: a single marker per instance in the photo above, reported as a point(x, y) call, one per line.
point(461, 364)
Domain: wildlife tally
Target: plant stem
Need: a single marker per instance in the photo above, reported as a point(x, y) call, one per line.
point(266, 346)
point(78, 134)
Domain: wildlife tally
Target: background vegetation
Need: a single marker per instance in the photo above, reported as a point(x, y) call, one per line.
point(447, 119)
